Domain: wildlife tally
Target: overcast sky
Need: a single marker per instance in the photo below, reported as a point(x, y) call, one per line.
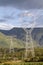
point(14, 12)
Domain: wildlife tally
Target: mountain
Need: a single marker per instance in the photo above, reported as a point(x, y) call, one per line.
point(10, 42)
point(18, 34)
point(37, 35)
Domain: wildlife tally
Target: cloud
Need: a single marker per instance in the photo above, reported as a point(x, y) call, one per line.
point(2, 20)
point(8, 17)
point(4, 26)
point(12, 17)
point(23, 4)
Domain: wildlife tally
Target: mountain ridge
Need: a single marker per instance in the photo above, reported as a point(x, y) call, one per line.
point(19, 33)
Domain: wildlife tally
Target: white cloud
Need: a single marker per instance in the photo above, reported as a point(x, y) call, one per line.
point(4, 26)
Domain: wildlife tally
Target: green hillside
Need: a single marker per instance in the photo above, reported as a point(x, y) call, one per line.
point(5, 42)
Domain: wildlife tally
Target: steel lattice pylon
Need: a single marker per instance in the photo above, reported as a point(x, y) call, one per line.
point(11, 44)
point(24, 25)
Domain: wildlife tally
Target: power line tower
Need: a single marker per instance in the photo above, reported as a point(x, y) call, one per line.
point(29, 40)
point(12, 38)
point(11, 44)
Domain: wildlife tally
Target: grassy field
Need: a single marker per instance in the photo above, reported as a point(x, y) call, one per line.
point(22, 63)
point(5, 42)
point(18, 53)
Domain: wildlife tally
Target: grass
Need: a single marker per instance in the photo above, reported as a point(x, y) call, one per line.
point(23, 63)
point(5, 41)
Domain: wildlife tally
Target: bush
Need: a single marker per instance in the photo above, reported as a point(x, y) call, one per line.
point(6, 64)
point(35, 59)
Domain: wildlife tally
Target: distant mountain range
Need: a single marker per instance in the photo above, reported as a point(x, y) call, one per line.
point(19, 34)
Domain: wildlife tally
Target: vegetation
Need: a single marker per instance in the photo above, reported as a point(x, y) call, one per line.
point(24, 63)
point(18, 52)
point(5, 41)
